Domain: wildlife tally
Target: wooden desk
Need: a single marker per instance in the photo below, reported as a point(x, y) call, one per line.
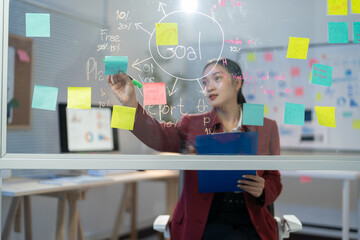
point(21, 189)
point(346, 176)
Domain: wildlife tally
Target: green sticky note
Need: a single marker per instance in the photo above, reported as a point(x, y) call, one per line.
point(166, 34)
point(253, 114)
point(37, 25)
point(321, 75)
point(123, 117)
point(337, 7)
point(355, 6)
point(115, 64)
point(356, 29)
point(45, 97)
point(294, 114)
point(79, 97)
point(298, 48)
point(326, 116)
point(338, 32)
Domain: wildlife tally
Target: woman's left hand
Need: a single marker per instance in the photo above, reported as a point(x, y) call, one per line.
point(255, 185)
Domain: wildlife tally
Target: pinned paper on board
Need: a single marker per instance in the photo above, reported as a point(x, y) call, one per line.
point(298, 48)
point(356, 124)
point(23, 56)
point(37, 24)
point(115, 64)
point(45, 97)
point(356, 30)
point(355, 6)
point(253, 114)
point(338, 32)
point(294, 114)
point(79, 97)
point(322, 75)
point(326, 116)
point(299, 91)
point(337, 7)
point(123, 117)
point(251, 57)
point(154, 93)
point(166, 33)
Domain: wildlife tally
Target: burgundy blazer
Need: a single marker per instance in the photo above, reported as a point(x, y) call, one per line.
point(191, 212)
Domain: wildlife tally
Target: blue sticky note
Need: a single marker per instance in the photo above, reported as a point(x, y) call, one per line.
point(253, 114)
point(338, 32)
point(321, 75)
point(356, 32)
point(37, 25)
point(294, 114)
point(115, 64)
point(45, 97)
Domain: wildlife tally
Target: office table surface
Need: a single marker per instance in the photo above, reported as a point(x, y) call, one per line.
point(16, 187)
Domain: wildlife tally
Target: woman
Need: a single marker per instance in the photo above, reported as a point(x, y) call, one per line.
point(213, 215)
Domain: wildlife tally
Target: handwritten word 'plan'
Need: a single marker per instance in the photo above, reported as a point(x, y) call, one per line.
point(154, 93)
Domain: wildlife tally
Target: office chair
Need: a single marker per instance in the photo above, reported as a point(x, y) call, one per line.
point(285, 225)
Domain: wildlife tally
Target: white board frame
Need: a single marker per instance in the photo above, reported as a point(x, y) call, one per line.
point(337, 161)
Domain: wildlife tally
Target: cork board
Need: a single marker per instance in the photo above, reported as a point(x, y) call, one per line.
point(21, 110)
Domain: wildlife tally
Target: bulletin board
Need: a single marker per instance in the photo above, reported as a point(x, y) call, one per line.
point(19, 107)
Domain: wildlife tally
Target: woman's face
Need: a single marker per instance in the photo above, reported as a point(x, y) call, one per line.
point(220, 89)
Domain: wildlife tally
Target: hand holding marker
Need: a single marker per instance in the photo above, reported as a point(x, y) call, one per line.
point(136, 83)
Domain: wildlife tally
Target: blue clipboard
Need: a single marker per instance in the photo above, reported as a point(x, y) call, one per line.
point(234, 143)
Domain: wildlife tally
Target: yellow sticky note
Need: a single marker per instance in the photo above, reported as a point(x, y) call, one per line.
point(123, 117)
point(79, 97)
point(266, 109)
point(298, 48)
point(326, 116)
point(166, 33)
point(337, 7)
point(356, 124)
point(318, 96)
point(251, 57)
point(355, 6)
point(310, 76)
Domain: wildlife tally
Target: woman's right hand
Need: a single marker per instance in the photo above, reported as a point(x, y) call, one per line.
point(124, 89)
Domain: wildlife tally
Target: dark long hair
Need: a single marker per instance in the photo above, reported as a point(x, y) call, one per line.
point(234, 69)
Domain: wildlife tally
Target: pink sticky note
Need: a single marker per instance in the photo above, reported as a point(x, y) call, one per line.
point(312, 61)
point(154, 93)
point(23, 56)
point(299, 91)
point(268, 56)
point(295, 72)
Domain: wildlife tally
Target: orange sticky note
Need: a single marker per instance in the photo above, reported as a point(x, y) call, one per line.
point(123, 117)
point(166, 33)
point(337, 7)
point(298, 48)
point(355, 6)
point(154, 93)
point(326, 116)
point(79, 97)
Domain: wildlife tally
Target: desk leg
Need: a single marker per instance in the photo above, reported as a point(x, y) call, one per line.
point(122, 205)
point(80, 230)
point(10, 218)
point(18, 217)
point(60, 219)
point(346, 210)
point(171, 194)
point(133, 235)
point(73, 214)
point(27, 217)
